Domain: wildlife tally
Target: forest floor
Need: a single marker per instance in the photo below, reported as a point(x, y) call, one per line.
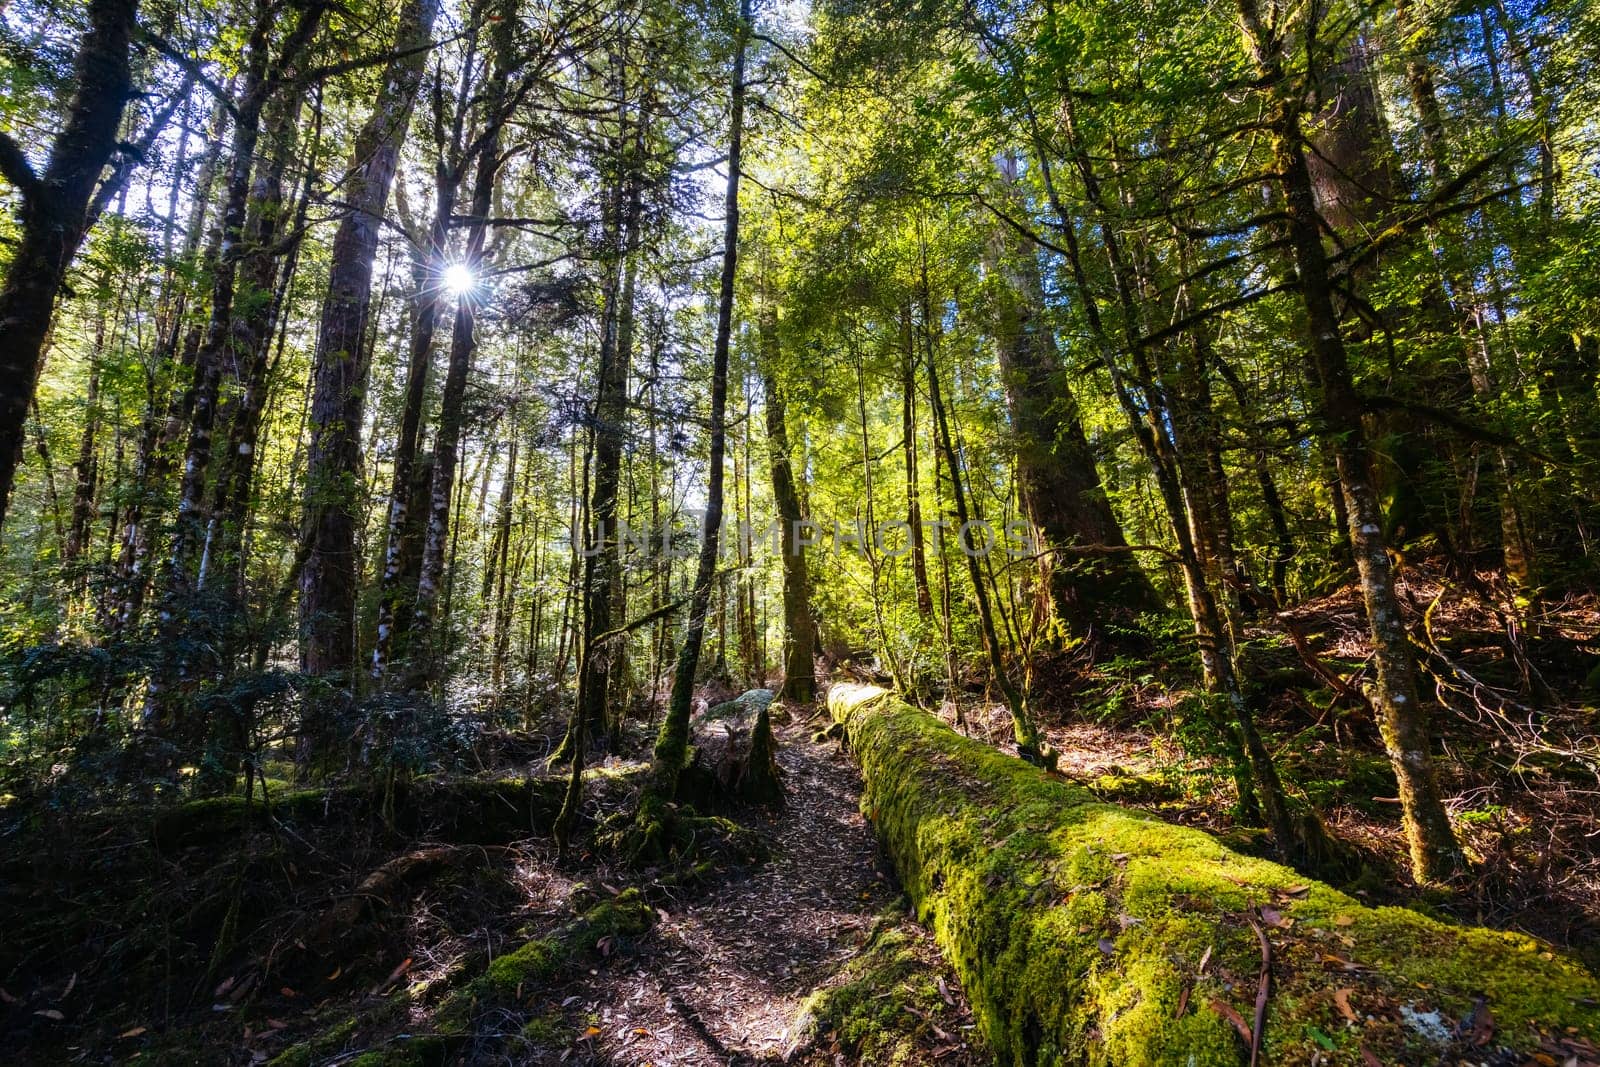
point(724, 976)
point(353, 922)
point(123, 951)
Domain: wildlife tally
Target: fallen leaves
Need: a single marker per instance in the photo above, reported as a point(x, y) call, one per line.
point(1341, 1000)
point(400, 969)
point(1228, 1012)
point(1333, 962)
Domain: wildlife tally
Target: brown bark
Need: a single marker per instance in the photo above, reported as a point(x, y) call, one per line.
point(1058, 483)
point(1402, 720)
point(54, 215)
point(328, 579)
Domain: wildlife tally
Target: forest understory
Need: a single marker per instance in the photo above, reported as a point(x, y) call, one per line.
point(1520, 778)
point(1016, 532)
point(314, 934)
point(343, 925)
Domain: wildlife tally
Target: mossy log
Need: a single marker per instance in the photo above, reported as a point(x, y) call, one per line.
point(881, 1006)
point(505, 981)
point(540, 959)
point(1088, 933)
point(460, 810)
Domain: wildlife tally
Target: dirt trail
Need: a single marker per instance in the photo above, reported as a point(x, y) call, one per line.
point(723, 976)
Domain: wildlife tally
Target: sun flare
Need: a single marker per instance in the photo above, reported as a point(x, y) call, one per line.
point(458, 278)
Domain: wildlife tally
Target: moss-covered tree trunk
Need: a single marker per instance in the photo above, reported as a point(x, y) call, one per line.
point(1402, 719)
point(799, 671)
point(1085, 933)
point(671, 749)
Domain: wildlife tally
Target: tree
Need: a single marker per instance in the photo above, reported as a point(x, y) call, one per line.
point(55, 206)
point(672, 745)
point(328, 579)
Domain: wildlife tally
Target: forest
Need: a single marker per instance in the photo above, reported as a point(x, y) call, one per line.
point(887, 532)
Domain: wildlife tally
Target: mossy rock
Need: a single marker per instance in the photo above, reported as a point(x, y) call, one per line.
point(1086, 933)
point(747, 703)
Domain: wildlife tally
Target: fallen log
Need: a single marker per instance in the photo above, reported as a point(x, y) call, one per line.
point(1088, 933)
point(477, 811)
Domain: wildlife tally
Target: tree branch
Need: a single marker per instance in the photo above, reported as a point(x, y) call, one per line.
point(14, 165)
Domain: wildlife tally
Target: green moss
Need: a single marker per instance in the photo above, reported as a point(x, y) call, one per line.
point(329, 1041)
point(210, 818)
point(1077, 926)
point(1133, 788)
point(512, 975)
point(549, 1030)
point(879, 1003)
point(406, 1051)
point(462, 810)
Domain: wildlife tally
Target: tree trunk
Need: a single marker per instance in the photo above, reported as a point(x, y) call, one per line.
point(463, 343)
point(602, 562)
point(392, 595)
point(333, 463)
point(671, 749)
point(249, 221)
point(264, 289)
point(1058, 484)
point(86, 470)
point(54, 215)
point(799, 672)
point(908, 429)
point(1402, 719)
point(1029, 744)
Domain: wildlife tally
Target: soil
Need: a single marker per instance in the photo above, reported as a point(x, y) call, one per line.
point(722, 977)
